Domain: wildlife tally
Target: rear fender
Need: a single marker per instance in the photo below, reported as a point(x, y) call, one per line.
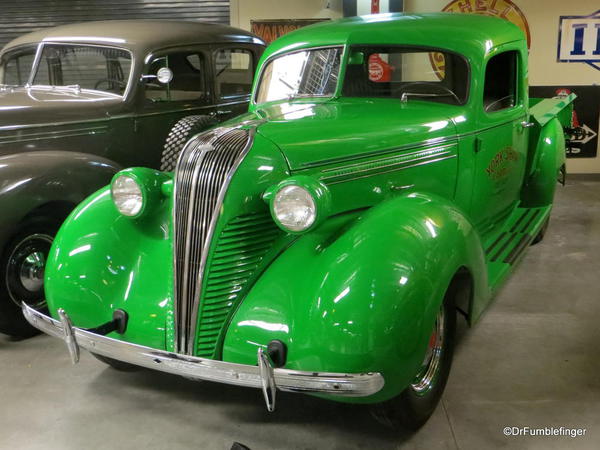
point(361, 295)
point(547, 162)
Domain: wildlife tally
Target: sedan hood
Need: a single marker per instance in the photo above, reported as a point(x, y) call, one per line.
point(33, 106)
point(311, 134)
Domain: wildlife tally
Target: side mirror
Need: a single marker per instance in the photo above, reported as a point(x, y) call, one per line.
point(164, 75)
point(356, 58)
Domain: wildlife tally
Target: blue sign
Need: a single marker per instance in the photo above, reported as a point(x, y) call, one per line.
point(579, 39)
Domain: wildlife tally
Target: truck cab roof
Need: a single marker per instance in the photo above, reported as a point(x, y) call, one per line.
point(469, 34)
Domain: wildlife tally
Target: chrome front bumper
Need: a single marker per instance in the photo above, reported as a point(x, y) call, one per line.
point(262, 376)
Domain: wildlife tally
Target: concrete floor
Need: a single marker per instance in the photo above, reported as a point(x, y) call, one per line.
point(533, 360)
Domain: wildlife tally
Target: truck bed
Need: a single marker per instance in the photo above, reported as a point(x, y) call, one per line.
point(545, 109)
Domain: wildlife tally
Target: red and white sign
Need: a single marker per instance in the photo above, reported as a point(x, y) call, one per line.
point(379, 70)
point(374, 6)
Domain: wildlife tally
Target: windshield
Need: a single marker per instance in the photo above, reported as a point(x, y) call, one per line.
point(309, 73)
point(407, 74)
point(85, 67)
point(15, 66)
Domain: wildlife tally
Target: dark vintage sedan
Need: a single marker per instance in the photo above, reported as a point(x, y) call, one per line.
point(79, 102)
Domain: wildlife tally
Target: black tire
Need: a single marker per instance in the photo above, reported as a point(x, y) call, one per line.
point(116, 364)
point(540, 236)
point(21, 274)
point(413, 407)
point(179, 135)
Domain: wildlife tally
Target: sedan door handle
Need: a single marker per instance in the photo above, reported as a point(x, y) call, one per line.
point(526, 124)
point(223, 112)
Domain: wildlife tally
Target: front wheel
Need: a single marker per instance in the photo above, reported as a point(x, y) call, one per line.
point(22, 274)
point(416, 403)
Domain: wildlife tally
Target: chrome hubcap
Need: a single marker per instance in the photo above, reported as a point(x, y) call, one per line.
point(25, 270)
point(32, 271)
point(426, 376)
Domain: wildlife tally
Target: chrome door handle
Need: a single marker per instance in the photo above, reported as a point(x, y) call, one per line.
point(223, 112)
point(526, 124)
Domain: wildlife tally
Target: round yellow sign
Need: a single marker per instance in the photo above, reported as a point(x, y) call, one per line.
point(504, 9)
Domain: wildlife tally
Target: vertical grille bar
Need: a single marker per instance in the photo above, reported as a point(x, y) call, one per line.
point(201, 180)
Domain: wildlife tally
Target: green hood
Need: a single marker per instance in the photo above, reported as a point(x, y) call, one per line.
point(315, 133)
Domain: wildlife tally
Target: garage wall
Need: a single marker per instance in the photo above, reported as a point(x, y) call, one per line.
point(20, 17)
point(243, 11)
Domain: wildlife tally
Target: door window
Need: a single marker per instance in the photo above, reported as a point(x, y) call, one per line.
point(15, 67)
point(187, 83)
point(500, 89)
point(234, 72)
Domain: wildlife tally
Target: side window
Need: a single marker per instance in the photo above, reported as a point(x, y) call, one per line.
point(234, 72)
point(188, 81)
point(15, 67)
point(500, 88)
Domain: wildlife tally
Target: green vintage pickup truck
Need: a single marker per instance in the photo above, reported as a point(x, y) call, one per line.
point(391, 172)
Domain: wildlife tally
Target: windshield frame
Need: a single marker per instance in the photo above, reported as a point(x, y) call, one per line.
point(271, 58)
point(38, 57)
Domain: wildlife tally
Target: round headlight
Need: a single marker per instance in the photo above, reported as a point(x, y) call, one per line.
point(294, 208)
point(127, 195)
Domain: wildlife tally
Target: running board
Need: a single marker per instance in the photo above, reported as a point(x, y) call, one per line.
point(505, 249)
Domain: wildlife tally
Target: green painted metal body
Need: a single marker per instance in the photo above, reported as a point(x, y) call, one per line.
point(419, 192)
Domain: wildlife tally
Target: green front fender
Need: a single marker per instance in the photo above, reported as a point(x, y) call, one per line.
point(101, 261)
point(361, 294)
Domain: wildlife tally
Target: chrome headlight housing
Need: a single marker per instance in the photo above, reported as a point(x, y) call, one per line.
point(298, 204)
point(135, 191)
point(127, 195)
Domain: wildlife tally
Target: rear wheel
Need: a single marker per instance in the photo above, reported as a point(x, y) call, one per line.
point(22, 274)
point(416, 403)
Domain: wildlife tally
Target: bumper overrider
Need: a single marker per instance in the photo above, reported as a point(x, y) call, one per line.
point(262, 376)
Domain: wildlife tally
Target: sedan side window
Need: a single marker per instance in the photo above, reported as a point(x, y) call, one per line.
point(234, 72)
point(187, 82)
point(15, 67)
point(500, 89)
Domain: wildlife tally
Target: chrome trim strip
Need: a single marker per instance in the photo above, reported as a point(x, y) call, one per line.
point(53, 124)
point(403, 160)
point(53, 135)
point(340, 384)
point(394, 169)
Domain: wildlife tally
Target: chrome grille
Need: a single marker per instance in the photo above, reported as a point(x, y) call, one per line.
point(240, 249)
point(201, 179)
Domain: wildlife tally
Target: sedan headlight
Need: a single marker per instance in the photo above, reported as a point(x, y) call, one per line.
point(299, 203)
point(138, 190)
point(127, 195)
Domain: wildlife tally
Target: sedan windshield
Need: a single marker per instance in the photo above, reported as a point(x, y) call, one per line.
point(308, 73)
point(407, 74)
point(84, 67)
